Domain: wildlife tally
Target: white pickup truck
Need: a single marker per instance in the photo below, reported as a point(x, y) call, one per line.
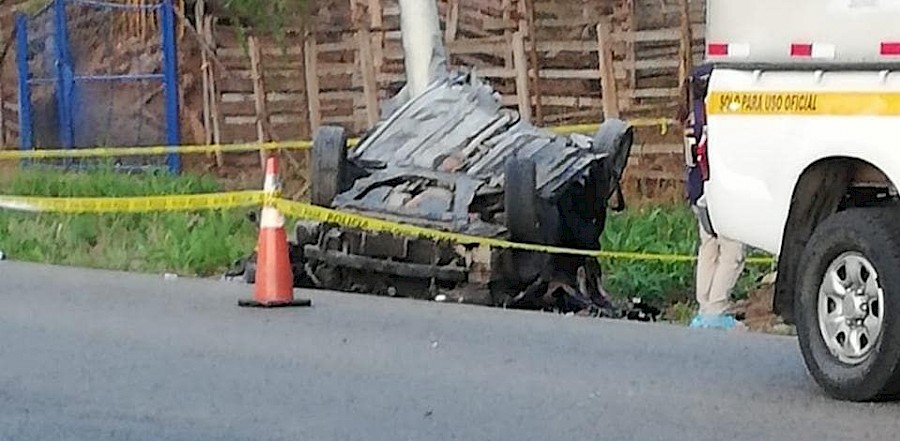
point(803, 151)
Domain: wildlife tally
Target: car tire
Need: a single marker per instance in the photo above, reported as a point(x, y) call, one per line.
point(614, 138)
point(848, 304)
point(520, 200)
point(329, 160)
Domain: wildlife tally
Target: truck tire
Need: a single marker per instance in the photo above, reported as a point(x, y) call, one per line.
point(848, 304)
point(521, 201)
point(329, 158)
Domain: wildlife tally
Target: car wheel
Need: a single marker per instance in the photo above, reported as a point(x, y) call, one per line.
point(520, 200)
point(848, 304)
point(329, 158)
point(614, 138)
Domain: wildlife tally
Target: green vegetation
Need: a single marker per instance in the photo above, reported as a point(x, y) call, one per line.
point(660, 230)
point(205, 243)
point(186, 243)
point(269, 15)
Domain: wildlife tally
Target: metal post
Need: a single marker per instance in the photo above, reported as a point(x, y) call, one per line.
point(64, 75)
point(26, 130)
point(170, 74)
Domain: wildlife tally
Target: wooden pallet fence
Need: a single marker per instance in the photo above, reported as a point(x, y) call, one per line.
point(341, 71)
point(250, 108)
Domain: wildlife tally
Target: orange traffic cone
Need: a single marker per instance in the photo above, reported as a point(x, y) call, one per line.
point(274, 279)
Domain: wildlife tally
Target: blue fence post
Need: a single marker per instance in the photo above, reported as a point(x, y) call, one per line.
point(170, 74)
point(64, 75)
point(26, 129)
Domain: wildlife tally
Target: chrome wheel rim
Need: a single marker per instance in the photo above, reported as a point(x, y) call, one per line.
point(851, 308)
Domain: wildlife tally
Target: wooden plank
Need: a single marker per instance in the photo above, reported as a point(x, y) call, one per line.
point(239, 133)
point(498, 24)
point(490, 45)
point(210, 120)
point(376, 17)
point(288, 50)
point(325, 69)
point(452, 21)
point(2, 114)
point(685, 59)
point(341, 46)
point(655, 93)
point(312, 81)
point(339, 95)
point(496, 72)
point(567, 46)
point(259, 99)
point(629, 24)
point(560, 101)
point(215, 115)
point(370, 85)
point(570, 74)
point(237, 85)
point(521, 68)
point(200, 14)
point(658, 149)
point(608, 73)
point(507, 13)
point(565, 22)
point(533, 60)
point(271, 97)
point(651, 64)
point(273, 108)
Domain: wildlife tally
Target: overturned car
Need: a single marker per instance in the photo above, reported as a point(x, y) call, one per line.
point(449, 156)
point(453, 159)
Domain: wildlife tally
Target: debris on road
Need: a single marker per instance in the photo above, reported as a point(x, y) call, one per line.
point(642, 312)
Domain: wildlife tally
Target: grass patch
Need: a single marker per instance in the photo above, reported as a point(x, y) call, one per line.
point(202, 243)
point(102, 183)
point(670, 229)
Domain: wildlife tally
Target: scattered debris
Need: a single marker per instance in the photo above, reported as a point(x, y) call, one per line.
point(170, 276)
point(440, 298)
point(642, 312)
point(2, 256)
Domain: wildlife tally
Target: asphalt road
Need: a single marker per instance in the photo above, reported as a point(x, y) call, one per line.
point(88, 355)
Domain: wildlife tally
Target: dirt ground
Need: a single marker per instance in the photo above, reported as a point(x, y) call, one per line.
point(757, 309)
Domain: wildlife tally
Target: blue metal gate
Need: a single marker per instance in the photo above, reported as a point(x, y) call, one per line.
point(88, 78)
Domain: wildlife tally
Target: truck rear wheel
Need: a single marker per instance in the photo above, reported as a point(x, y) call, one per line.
point(848, 304)
point(329, 158)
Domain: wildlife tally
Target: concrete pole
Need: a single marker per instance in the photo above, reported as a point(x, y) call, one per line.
point(423, 45)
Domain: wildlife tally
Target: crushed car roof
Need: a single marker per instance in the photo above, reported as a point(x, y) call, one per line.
point(430, 158)
point(459, 126)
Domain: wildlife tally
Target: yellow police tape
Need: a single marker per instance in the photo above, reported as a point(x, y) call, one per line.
point(352, 220)
point(141, 204)
point(301, 210)
point(109, 152)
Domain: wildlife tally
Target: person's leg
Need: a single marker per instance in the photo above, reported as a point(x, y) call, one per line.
point(707, 255)
point(728, 269)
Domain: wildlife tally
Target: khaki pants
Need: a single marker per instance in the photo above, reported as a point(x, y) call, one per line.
point(720, 262)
